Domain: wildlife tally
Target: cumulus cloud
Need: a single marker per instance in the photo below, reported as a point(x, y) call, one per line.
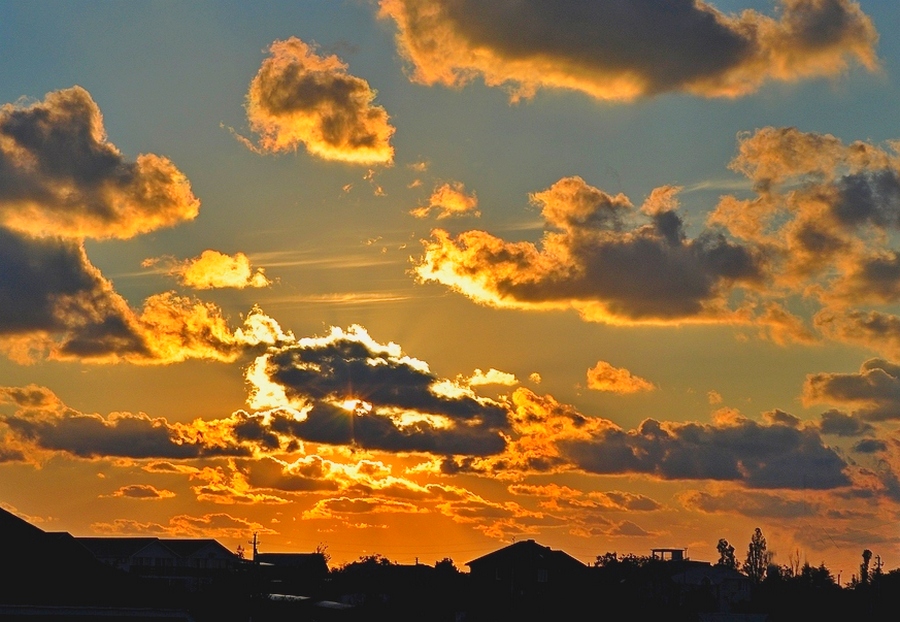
point(55, 303)
point(799, 259)
point(212, 269)
point(551, 437)
point(591, 260)
point(449, 199)
point(61, 182)
point(216, 525)
point(821, 210)
point(491, 376)
point(605, 377)
point(558, 497)
point(624, 50)
point(754, 504)
point(299, 97)
point(143, 492)
point(346, 388)
point(874, 390)
point(772, 456)
point(60, 177)
point(877, 331)
point(52, 426)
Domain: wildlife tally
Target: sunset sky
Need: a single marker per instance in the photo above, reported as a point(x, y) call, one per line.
point(422, 277)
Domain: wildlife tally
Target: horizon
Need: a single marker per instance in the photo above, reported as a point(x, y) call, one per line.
point(424, 279)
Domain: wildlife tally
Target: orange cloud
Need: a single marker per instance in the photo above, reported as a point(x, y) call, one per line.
point(591, 260)
point(59, 176)
point(143, 492)
point(605, 377)
point(213, 269)
point(449, 199)
point(217, 525)
point(620, 51)
point(299, 97)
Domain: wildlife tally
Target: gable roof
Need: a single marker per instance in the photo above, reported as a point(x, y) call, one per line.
point(527, 552)
point(118, 547)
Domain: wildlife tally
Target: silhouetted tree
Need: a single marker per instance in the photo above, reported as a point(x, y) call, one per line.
point(758, 557)
point(322, 549)
point(446, 566)
point(864, 567)
point(726, 555)
point(606, 559)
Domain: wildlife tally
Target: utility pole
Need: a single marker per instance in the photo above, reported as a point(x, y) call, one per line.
point(255, 543)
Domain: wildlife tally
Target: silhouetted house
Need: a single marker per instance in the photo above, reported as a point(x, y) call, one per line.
point(526, 567)
point(725, 587)
point(292, 573)
point(671, 555)
point(191, 564)
point(51, 576)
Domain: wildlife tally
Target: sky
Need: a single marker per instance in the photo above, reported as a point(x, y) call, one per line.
point(424, 277)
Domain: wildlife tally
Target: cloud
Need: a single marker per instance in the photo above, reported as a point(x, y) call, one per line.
point(61, 182)
point(821, 212)
point(212, 270)
point(491, 376)
point(874, 390)
point(592, 261)
point(216, 525)
point(299, 97)
point(798, 259)
point(449, 199)
point(625, 50)
point(560, 498)
point(771, 456)
point(55, 304)
point(550, 437)
point(838, 423)
point(877, 331)
point(52, 426)
point(605, 377)
point(60, 177)
point(342, 506)
point(870, 446)
point(753, 504)
point(346, 388)
point(143, 492)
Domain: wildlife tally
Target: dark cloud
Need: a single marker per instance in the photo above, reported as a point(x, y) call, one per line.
point(753, 504)
point(360, 392)
point(870, 446)
point(60, 177)
point(595, 264)
point(307, 474)
point(780, 417)
point(838, 423)
point(774, 456)
point(56, 427)
point(626, 49)
point(875, 330)
point(874, 390)
point(142, 491)
point(48, 286)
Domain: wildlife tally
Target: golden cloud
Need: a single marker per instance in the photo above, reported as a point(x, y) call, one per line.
point(59, 176)
point(299, 97)
point(605, 377)
point(590, 260)
point(620, 51)
point(212, 269)
point(448, 200)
